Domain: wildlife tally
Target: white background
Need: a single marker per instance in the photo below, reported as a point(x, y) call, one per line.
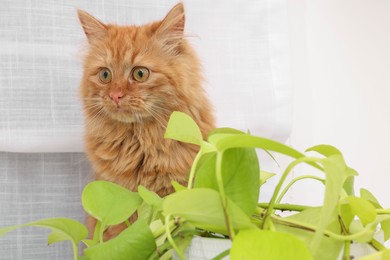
point(341, 76)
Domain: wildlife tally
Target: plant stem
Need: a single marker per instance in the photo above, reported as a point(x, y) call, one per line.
point(283, 207)
point(377, 245)
point(75, 251)
point(162, 229)
point(170, 239)
point(160, 250)
point(96, 234)
point(347, 250)
point(383, 211)
point(222, 255)
point(294, 181)
point(270, 209)
point(219, 178)
point(193, 168)
point(101, 233)
point(221, 189)
point(305, 226)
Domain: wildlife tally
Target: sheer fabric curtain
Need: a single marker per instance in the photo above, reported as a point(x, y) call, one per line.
point(243, 46)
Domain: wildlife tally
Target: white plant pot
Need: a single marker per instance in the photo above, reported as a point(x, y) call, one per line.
point(202, 248)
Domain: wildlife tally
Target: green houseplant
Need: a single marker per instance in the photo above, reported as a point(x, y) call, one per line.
point(222, 201)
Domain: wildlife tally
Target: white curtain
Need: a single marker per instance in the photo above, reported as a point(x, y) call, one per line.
point(243, 46)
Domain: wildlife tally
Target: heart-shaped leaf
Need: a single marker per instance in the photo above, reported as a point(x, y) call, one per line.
point(135, 242)
point(150, 197)
point(182, 127)
point(361, 208)
point(63, 229)
point(202, 207)
point(109, 203)
point(336, 174)
point(264, 244)
point(264, 176)
point(330, 248)
point(240, 175)
point(366, 194)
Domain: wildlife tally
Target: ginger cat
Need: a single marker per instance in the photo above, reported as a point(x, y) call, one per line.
point(134, 78)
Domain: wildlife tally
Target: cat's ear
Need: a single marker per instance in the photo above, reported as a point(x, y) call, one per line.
point(93, 28)
point(172, 26)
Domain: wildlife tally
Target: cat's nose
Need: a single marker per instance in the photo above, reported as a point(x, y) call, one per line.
point(116, 96)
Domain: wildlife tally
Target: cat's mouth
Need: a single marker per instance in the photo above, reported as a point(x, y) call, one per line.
point(126, 115)
point(132, 111)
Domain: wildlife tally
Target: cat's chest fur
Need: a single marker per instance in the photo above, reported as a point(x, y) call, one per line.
point(133, 155)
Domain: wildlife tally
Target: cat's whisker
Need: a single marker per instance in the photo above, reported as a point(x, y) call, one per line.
point(91, 98)
point(157, 116)
point(139, 124)
point(160, 109)
point(96, 121)
point(92, 106)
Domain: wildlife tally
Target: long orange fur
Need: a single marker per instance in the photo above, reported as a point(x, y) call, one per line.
point(124, 137)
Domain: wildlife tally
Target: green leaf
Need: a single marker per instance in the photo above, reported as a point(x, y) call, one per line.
point(150, 197)
point(264, 176)
point(135, 242)
point(383, 255)
point(325, 150)
point(330, 248)
point(240, 174)
point(183, 241)
point(386, 254)
point(336, 173)
point(215, 138)
point(182, 127)
point(160, 236)
point(328, 150)
point(177, 186)
point(224, 130)
point(347, 216)
point(205, 175)
point(272, 157)
point(146, 213)
point(366, 194)
point(109, 203)
point(56, 236)
point(385, 225)
point(89, 242)
point(263, 244)
point(366, 234)
point(361, 208)
point(312, 216)
point(245, 140)
point(202, 207)
point(349, 183)
point(249, 141)
point(220, 133)
point(166, 256)
point(62, 229)
point(207, 148)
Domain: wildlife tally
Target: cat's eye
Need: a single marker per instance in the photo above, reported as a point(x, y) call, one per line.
point(140, 74)
point(105, 75)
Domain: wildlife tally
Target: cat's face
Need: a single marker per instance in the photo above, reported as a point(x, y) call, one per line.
point(131, 73)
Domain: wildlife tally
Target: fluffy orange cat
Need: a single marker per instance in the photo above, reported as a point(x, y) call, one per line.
point(134, 78)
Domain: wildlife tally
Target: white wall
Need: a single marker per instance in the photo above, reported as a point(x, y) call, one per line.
point(341, 73)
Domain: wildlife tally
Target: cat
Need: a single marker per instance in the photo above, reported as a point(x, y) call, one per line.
point(134, 77)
